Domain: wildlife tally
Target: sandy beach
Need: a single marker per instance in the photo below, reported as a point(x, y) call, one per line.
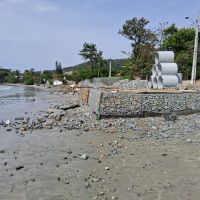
point(63, 164)
point(47, 165)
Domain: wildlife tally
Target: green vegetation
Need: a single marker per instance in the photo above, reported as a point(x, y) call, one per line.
point(90, 52)
point(116, 65)
point(143, 43)
point(83, 71)
point(31, 77)
point(181, 41)
point(59, 70)
point(9, 76)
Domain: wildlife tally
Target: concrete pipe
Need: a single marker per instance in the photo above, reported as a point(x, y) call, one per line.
point(164, 57)
point(151, 82)
point(167, 81)
point(154, 70)
point(155, 82)
point(167, 69)
point(180, 78)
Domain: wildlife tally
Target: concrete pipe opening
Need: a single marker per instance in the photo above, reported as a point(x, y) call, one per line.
point(164, 57)
point(167, 69)
point(159, 70)
point(150, 84)
point(155, 70)
point(168, 81)
point(155, 83)
point(160, 82)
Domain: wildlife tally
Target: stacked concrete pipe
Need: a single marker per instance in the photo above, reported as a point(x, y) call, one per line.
point(165, 71)
point(153, 78)
point(164, 57)
point(167, 81)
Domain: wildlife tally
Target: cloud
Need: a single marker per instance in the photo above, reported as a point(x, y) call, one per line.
point(30, 6)
point(47, 8)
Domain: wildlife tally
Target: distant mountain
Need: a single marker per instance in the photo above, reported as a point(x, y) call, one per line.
point(116, 64)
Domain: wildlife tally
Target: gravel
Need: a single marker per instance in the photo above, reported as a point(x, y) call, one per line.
point(74, 116)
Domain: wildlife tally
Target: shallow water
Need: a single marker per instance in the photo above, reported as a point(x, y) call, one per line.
point(16, 101)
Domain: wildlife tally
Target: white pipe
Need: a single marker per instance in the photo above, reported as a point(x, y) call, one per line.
point(167, 81)
point(167, 69)
point(154, 70)
point(155, 82)
point(164, 57)
point(151, 82)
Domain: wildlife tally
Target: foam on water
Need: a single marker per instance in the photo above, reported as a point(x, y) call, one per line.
point(5, 87)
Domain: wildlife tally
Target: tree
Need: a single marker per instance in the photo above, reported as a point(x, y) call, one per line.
point(90, 53)
point(59, 70)
point(170, 30)
point(3, 74)
point(143, 42)
point(161, 32)
point(47, 76)
point(28, 77)
point(9, 76)
point(181, 41)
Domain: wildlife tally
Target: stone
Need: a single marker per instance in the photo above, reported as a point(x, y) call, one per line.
point(70, 106)
point(7, 122)
point(48, 124)
point(41, 119)
point(84, 157)
point(86, 129)
point(19, 167)
point(170, 116)
point(24, 128)
point(19, 118)
point(154, 127)
point(164, 135)
point(2, 123)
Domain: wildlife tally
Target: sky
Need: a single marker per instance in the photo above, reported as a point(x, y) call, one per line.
point(36, 33)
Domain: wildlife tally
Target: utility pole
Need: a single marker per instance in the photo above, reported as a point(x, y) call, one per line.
point(194, 64)
point(110, 69)
point(98, 71)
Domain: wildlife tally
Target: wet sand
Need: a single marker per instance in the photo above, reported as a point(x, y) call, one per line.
point(118, 167)
point(47, 164)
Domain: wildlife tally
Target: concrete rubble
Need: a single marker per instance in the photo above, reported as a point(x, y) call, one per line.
point(73, 115)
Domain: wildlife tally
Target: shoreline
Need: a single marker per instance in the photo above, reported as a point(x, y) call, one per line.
point(23, 85)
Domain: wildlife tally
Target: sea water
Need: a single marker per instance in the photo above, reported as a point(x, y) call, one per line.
point(21, 101)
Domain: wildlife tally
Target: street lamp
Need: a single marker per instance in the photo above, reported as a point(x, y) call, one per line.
point(194, 64)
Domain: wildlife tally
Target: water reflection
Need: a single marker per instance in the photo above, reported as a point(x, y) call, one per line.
point(18, 100)
point(29, 92)
point(19, 93)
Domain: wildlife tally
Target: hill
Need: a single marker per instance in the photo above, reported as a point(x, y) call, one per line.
point(116, 64)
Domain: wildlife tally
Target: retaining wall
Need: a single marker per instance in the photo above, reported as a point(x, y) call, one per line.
point(94, 99)
point(130, 104)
